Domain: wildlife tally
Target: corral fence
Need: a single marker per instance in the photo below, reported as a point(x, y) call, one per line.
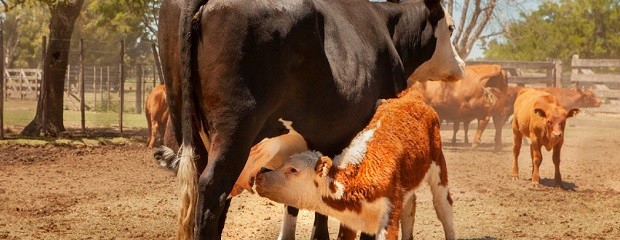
point(547, 73)
point(603, 75)
point(97, 79)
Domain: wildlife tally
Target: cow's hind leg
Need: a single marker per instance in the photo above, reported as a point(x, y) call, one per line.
point(482, 125)
point(498, 122)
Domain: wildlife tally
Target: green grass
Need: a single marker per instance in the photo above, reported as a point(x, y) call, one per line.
point(20, 113)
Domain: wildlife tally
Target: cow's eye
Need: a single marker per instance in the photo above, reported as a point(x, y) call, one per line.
point(292, 170)
point(451, 28)
point(549, 123)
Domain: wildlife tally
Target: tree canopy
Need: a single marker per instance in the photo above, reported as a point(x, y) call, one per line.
point(102, 24)
point(559, 29)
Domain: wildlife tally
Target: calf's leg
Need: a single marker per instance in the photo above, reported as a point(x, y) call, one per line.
point(556, 162)
point(536, 161)
point(516, 149)
point(442, 202)
point(407, 219)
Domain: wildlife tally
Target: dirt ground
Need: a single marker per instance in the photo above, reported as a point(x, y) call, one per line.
point(116, 191)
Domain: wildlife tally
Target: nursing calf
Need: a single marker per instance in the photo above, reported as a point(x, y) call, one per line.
point(370, 186)
point(540, 117)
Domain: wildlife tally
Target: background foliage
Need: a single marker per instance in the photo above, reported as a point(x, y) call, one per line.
point(559, 29)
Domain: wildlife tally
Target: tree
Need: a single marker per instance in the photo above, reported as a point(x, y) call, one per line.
point(559, 29)
point(23, 28)
point(49, 116)
point(479, 20)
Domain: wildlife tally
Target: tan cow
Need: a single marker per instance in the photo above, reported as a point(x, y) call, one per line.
point(574, 97)
point(540, 117)
point(479, 95)
point(156, 110)
point(370, 186)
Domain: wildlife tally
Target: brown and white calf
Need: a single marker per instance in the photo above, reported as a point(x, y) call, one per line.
point(370, 186)
point(540, 117)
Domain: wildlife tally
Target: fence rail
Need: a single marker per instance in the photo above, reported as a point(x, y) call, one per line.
point(521, 72)
point(583, 71)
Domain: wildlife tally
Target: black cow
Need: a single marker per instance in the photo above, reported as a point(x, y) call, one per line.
point(234, 67)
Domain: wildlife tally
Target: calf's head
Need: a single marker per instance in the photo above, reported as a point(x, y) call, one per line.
point(554, 120)
point(299, 182)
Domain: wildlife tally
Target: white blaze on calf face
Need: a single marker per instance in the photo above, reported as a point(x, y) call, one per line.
point(445, 64)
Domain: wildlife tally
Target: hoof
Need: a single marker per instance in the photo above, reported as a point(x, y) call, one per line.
point(166, 158)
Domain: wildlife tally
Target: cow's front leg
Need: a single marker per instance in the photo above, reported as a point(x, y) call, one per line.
point(455, 129)
point(320, 230)
point(535, 148)
point(466, 131)
point(556, 162)
point(289, 223)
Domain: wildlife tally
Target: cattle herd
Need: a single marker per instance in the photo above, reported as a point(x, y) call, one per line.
point(330, 106)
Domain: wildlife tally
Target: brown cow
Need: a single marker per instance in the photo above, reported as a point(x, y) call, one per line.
point(370, 186)
point(511, 97)
point(574, 97)
point(540, 117)
point(156, 110)
point(479, 95)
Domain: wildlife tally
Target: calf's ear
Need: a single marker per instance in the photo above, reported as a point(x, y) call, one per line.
point(540, 112)
point(322, 166)
point(573, 112)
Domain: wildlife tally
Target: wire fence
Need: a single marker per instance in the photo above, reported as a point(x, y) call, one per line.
point(101, 63)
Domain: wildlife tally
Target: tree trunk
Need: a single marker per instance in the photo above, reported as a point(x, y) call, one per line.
point(48, 120)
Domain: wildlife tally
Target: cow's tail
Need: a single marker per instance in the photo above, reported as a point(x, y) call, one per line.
point(188, 190)
point(187, 175)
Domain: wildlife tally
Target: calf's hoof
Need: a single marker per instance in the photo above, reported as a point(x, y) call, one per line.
point(475, 146)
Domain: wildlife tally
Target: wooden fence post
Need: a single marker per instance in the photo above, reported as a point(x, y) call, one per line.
point(101, 86)
point(157, 63)
point(558, 73)
point(95, 85)
point(574, 70)
point(1, 85)
point(108, 88)
point(139, 89)
point(82, 99)
point(121, 89)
